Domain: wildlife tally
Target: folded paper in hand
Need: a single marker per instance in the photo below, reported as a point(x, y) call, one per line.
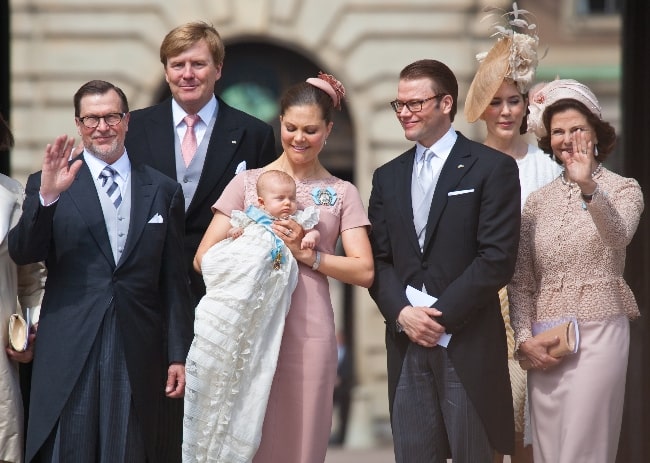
point(419, 298)
point(569, 337)
point(19, 331)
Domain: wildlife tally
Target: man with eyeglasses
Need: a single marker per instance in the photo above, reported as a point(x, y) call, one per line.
point(445, 229)
point(116, 320)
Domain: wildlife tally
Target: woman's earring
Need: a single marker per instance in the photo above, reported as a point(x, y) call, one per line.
point(595, 151)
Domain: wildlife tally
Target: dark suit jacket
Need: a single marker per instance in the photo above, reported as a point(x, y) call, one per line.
point(469, 253)
point(236, 137)
point(147, 288)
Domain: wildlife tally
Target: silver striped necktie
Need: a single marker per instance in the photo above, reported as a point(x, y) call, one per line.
point(110, 186)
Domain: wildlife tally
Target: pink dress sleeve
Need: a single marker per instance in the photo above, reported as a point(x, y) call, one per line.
point(353, 212)
point(233, 196)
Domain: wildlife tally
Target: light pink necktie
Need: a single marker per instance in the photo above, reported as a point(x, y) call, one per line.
point(188, 147)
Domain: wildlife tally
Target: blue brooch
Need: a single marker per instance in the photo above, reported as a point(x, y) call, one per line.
point(324, 196)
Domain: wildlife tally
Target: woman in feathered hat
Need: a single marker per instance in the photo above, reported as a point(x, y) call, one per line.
point(498, 96)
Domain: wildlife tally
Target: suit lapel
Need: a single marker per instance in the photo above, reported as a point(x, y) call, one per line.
point(83, 194)
point(225, 138)
point(458, 163)
point(404, 180)
point(142, 194)
point(160, 132)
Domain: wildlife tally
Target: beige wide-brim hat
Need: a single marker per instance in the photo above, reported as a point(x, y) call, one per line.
point(489, 77)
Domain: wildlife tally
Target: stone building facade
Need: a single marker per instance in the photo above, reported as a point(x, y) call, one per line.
point(56, 45)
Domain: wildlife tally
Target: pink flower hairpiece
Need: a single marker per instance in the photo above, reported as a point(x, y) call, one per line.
point(330, 85)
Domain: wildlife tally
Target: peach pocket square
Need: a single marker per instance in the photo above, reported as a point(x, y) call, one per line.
point(460, 192)
point(156, 219)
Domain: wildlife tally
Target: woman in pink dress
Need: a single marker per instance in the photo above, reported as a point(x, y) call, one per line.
point(298, 417)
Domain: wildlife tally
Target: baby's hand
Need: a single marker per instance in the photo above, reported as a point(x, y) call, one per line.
point(235, 232)
point(308, 242)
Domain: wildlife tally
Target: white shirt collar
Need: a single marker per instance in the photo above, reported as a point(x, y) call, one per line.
point(442, 147)
point(205, 113)
point(122, 166)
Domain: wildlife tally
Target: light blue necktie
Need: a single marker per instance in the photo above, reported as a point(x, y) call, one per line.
point(425, 175)
point(422, 202)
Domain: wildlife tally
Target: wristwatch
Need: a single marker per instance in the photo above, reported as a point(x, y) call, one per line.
point(588, 198)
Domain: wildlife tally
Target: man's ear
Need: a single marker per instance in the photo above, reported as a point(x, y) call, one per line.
point(446, 103)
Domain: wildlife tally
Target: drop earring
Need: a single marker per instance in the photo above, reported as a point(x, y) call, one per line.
point(595, 151)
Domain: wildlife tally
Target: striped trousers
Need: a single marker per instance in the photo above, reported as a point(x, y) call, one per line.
point(432, 414)
point(98, 423)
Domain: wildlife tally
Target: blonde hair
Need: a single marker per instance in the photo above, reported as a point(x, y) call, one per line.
point(273, 177)
point(183, 37)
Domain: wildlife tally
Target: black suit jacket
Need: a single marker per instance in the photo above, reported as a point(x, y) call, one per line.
point(147, 288)
point(236, 137)
point(469, 254)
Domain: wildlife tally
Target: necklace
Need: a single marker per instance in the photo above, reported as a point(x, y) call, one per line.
point(571, 184)
point(283, 168)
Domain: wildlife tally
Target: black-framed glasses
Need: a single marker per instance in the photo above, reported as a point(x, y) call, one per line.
point(413, 106)
point(111, 119)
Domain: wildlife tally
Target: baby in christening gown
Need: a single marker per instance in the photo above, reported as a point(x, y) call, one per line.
point(249, 278)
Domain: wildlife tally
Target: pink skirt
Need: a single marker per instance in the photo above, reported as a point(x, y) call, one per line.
point(577, 407)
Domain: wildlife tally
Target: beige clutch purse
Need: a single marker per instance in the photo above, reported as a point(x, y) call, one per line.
point(18, 333)
point(567, 333)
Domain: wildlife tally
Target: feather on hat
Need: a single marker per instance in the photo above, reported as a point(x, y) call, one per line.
point(513, 56)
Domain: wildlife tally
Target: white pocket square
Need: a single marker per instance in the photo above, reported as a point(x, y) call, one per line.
point(241, 167)
point(156, 219)
point(460, 192)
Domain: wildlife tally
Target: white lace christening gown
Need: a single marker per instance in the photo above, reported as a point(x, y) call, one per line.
point(237, 333)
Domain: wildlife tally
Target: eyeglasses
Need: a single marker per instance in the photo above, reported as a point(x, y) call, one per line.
point(111, 119)
point(413, 106)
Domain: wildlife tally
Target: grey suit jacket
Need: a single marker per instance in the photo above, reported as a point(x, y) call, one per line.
point(236, 137)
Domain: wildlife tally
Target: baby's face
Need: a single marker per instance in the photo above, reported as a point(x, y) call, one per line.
point(280, 200)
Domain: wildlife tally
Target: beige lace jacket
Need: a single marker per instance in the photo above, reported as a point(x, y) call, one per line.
point(572, 254)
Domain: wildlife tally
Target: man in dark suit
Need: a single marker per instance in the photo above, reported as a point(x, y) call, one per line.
point(445, 221)
point(116, 322)
point(226, 139)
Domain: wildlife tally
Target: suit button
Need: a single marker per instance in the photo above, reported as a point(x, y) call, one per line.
point(425, 264)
